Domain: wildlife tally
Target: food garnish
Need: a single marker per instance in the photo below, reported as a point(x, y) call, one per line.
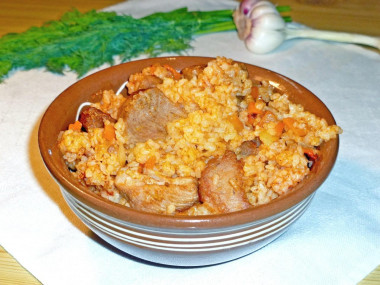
point(82, 41)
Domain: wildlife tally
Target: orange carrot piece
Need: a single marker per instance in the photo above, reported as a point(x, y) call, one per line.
point(109, 132)
point(252, 109)
point(235, 121)
point(255, 92)
point(175, 73)
point(251, 118)
point(149, 164)
point(279, 128)
point(77, 126)
point(140, 168)
point(289, 124)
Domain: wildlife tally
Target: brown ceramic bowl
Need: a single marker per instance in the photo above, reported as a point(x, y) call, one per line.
point(179, 240)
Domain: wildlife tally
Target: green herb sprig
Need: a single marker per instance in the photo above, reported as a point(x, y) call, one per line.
point(82, 41)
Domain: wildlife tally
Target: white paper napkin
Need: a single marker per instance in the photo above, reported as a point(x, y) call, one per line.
point(337, 240)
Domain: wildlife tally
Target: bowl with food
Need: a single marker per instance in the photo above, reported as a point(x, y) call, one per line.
point(188, 161)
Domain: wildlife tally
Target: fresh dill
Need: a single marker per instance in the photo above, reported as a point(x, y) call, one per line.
point(83, 41)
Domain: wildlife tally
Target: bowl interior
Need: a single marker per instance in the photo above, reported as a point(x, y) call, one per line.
point(63, 109)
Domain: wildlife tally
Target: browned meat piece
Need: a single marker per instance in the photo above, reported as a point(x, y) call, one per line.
point(147, 114)
point(191, 71)
point(167, 197)
point(221, 184)
point(141, 81)
point(248, 148)
point(94, 118)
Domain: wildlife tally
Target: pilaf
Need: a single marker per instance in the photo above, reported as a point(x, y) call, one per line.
point(204, 140)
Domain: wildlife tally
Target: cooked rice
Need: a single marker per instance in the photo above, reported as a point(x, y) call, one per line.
point(221, 92)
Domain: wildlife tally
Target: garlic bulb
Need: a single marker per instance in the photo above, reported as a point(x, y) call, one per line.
point(263, 29)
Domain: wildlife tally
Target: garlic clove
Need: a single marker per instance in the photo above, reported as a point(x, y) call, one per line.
point(263, 41)
point(261, 8)
point(270, 21)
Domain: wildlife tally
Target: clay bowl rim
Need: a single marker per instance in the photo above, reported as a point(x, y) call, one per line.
point(110, 77)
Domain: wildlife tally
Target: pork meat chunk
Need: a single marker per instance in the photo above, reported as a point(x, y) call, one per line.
point(139, 81)
point(91, 117)
point(167, 196)
point(147, 113)
point(221, 184)
point(248, 148)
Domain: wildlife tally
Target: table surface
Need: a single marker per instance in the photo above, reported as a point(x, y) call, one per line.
point(339, 15)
